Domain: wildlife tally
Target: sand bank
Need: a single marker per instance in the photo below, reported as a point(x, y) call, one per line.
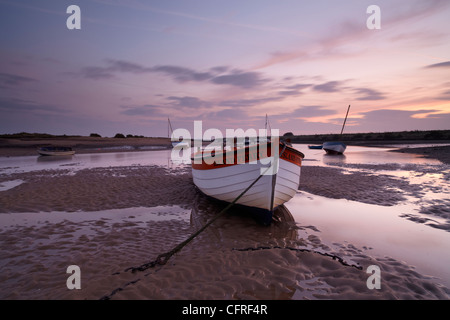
point(97, 189)
point(233, 259)
point(441, 153)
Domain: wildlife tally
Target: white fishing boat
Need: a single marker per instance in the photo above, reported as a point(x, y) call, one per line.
point(227, 180)
point(56, 151)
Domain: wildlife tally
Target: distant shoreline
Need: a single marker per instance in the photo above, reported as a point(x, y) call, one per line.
point(375, 138)
point(29, 146)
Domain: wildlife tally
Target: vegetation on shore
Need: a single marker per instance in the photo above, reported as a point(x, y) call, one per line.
point(373, 137)
point(37, 136)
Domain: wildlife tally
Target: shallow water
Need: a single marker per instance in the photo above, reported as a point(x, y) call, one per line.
point(384, 229)
point(379, 230)
point(353, 155)
point(362, 155)
point(85, 161)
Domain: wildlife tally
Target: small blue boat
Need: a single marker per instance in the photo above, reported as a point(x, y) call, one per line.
point(315, 147)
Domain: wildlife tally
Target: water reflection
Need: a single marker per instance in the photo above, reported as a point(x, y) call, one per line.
point(47, 159)
point(238, 224)
point(366, 155)
point(333, 159)
point(95, 158)
point(379, 228)
point(120, 156)
point(87, 161)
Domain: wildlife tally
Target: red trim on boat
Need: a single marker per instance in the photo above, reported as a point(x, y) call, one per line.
point(232, 158)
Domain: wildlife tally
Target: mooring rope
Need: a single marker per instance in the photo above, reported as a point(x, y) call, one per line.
point(325, 254)
point(164, 257)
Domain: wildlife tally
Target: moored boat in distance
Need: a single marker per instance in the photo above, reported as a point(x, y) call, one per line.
point(315, 147)
point(169, 135)
point(226, 179)
point(56, 151)
point(334, 147)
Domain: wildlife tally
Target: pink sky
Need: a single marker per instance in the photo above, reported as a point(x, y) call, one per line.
point(133, 64)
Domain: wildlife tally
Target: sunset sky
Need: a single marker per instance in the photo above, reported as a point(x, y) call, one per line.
point(133, 64)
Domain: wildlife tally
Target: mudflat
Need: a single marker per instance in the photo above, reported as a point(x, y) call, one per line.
point(108, 219)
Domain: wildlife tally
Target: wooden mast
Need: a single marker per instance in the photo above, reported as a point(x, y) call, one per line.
point(169, 129)
point(342, 130)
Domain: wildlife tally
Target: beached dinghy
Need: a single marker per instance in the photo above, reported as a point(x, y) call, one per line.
point(334, 147)
point(226, 181)
point(56, 151)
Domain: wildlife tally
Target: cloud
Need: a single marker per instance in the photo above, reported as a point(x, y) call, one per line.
point(289, 93)
point(12, 80)
point(173, 104)
point(331, 86)
point(369, 94)
point(445, 64)
point(398, 120)
point(220, 75)
point(96, 73)
point(217, 75)
point(384, 114)
point(229, 114)
point(125, 66)
point(311, 112)
point(113, 66)
point(248, 102)
point(365, 94)
point(219, 69)
point(294, 90)
point(28, 107)
point(188, 102)
point(146, 110)
point(182, 74)
point(240, 79)
point(299, 86)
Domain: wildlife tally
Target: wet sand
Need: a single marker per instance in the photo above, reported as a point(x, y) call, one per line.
point(76, 223)
point(441, 153)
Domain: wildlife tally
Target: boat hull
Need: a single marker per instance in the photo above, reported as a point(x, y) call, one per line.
point(56, 151)
point(334, 147)
point(227, 182)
